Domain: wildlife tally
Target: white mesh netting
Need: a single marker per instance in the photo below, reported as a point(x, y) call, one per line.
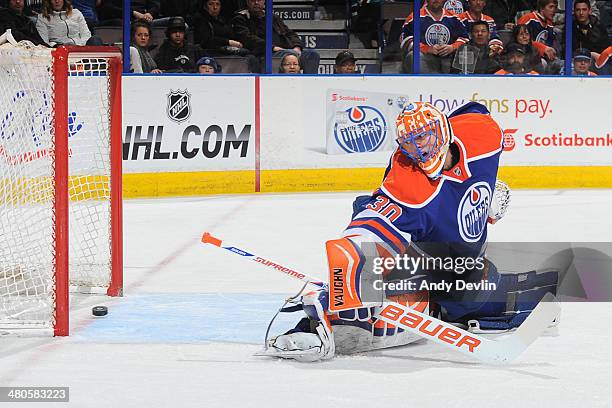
point(27, 182)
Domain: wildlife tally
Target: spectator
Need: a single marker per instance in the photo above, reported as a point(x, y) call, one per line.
point(540, 26)
point(180, 8)
point(250, 28)
point(290, 64)
point(514, 62)
point(486, 61)
point(522, 37)
point(208, 65)
point(175, 54)
point(345, 63)
point(88, 9)
point(504, 12)
point(474, 13)
point(587, 31)
point(441, 34)
point(365, 19)
point(604, 62)
point(214, 33)
point(146, 10)
point(582, 63)
point(59, 23)
point(110, 13)
point(21, 26)
point(140, 57)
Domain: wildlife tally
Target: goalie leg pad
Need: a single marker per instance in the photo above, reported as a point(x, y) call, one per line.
point(345, 264)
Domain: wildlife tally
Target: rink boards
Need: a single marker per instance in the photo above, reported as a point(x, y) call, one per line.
point(188, 135)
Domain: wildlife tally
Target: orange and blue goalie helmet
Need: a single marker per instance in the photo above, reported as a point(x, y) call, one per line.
point(424, 135)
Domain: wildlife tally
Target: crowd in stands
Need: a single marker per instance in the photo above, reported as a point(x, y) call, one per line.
point(456, 36)
point(469, 42)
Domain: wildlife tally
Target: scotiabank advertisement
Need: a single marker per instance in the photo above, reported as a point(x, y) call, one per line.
point(546, 121)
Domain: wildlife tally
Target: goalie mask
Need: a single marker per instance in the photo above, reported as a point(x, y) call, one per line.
point(424, 135)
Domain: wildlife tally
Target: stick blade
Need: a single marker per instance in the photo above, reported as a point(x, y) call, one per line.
point(538, 321)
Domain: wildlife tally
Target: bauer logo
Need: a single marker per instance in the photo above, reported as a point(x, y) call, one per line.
point(362, 129)
point(473, 211)
point(179, 106)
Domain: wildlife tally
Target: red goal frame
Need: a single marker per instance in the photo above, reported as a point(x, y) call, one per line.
point(60, 76)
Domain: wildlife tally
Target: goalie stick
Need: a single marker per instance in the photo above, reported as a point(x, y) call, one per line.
point(446, 334)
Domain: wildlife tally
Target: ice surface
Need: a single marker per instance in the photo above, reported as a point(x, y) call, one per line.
point(192, 316)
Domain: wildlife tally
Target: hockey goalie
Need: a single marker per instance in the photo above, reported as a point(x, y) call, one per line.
point(434, 203)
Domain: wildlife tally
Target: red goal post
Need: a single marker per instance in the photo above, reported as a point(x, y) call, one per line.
point(60, 182)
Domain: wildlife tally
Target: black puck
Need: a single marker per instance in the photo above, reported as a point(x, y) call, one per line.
point(99, 311)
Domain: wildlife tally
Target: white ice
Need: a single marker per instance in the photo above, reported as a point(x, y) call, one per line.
point(192, 317)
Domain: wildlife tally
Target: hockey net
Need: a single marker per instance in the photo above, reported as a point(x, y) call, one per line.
point(60, 181)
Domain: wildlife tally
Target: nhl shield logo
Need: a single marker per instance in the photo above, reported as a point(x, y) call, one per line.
point(179, 106)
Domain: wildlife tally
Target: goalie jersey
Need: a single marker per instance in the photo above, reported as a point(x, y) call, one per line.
point(410, 207)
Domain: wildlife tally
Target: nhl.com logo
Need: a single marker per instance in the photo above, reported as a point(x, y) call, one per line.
point(179, 106)
point(473, 211)
point(364, 130)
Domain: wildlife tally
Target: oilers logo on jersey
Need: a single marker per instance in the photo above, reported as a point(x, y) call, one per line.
point(473, 211)
point(542, 37)
point(437, 34)
point(364, 131)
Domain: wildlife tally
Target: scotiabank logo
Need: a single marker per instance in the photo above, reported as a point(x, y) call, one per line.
point(572, 140)
point(509, 140)
point(336, 97)
point(429, 327)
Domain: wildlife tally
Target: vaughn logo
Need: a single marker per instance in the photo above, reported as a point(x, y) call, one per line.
point(473, 211)
point(179, 106)
point(363, 130)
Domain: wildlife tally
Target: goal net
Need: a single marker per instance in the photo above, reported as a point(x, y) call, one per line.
point(60, 181)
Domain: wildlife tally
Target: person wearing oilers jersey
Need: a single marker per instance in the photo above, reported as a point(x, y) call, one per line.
point(437, 188)
point(540, 26)
point(442, 33)
point(474, 14)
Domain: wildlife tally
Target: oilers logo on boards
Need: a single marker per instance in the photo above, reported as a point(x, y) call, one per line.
point(473, 211)
point(179, 106)
point(437, 34)
point(364, 130)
